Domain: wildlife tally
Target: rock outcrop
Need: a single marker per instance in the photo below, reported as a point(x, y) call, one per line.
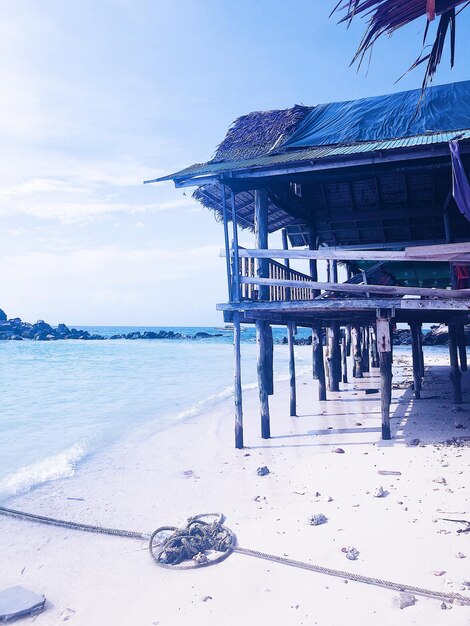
point(17, 330)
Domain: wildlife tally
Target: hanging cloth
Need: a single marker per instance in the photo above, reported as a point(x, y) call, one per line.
point(460, 184)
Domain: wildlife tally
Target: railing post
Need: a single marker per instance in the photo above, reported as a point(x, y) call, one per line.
point(236, 258)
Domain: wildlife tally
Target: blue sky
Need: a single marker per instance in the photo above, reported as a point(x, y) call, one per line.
point(98, 96)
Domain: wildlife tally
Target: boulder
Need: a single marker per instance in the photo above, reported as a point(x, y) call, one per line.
point(3, 316)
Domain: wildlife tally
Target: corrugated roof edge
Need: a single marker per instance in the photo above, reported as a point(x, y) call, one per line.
point(315, 153)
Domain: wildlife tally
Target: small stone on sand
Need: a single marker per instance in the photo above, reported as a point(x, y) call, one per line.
point(404, 600)
point(262, 471)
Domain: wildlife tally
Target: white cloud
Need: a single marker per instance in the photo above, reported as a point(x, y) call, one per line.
point(110, 285)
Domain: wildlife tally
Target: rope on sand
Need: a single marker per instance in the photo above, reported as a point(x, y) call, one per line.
point(201, 543)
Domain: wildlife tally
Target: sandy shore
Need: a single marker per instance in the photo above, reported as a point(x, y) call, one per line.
point(192, 468)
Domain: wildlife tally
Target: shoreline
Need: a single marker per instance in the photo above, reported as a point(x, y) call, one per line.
point(191, 467)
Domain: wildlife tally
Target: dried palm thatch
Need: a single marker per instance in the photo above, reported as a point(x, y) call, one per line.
point(259, 133)
point(387, 16)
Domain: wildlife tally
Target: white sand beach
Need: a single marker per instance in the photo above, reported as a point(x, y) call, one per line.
point(192, 467)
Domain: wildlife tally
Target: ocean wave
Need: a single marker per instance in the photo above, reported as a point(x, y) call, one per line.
point(60, 465)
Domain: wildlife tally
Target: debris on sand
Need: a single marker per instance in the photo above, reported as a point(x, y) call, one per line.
point(351, 553)
point(318, 519)
point(338, 450)
point(378, 492)
point(262, 471)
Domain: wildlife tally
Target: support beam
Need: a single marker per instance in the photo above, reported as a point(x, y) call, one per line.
point(455, 374)
point(238, 382)
point(290, 342)
point(384, 344)
point(415, 351)
point(317, 344)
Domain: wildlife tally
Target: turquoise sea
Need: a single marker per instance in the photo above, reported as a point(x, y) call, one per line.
point(62, 401)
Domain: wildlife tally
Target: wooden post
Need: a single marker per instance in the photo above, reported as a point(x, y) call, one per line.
point(317, 343)
point(414, 327)
point(344, 354)
point(227, 244)
point(269, 365)
point(455, 374)
point(334, 271)
point(290, 341)
point(348, 340)
point(262, 341)
point(261, 237)
point(462, 347)
point(238, 382)
point(312, 244)
point(356, 351)
point(236, 293)
point(384, 345)
point(333, 357)
point(263, 330)
point(421, 352)
point(365, 349)
point(373, 347)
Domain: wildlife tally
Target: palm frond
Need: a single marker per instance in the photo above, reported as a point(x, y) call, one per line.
point(386, 16)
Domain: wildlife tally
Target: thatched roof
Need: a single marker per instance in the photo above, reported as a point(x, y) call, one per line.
point(259, 133)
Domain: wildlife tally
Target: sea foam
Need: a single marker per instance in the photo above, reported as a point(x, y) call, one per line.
point(60, 465)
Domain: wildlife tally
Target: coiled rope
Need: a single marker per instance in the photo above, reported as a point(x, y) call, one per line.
point(201, 543)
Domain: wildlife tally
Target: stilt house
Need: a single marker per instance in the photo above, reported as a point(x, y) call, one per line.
point(379, 185)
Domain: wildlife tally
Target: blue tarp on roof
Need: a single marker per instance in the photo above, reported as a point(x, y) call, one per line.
point(442, 108)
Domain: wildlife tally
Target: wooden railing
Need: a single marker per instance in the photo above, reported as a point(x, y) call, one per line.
point(282, 284)
point(278, 272)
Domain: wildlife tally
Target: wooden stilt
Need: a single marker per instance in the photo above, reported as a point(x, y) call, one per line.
point(365, 349)
point(290, 342)
point(269, 359)
point(262, 341)
point(317, 342)
point(373, 348)
point(455, 374)
point(348, 340)
point(344, 360)
point(385, 357)
point(421, 352)
point(314, 358)
point(462, 347)
point(414, 327)
point(238, 382)
point(356, 351)
point(333, 357)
